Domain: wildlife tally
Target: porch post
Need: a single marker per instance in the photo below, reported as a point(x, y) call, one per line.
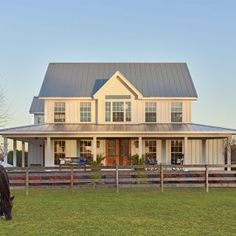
point(94, 148)
point(140, 147)
point(229, 154)
point(48, 152)
point(186, 150)
point(204, 161)
point(5, 144)
point(14, 153)
point(23, 154)
point(163, 151)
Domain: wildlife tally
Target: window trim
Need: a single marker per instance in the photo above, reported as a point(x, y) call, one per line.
point(146, 103)
point(56, 102)
point(88, 102)
point(61, 153)
point(177, 122)
point(176, 152)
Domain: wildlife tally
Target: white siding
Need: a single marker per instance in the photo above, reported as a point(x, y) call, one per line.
point(215, 151)
point(194, 152)
point(35, 152)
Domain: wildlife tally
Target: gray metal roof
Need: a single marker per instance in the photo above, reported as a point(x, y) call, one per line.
point(37, 106)
point(115, 128)
point(85, 79)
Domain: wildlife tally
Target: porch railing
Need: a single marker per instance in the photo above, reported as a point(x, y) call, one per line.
point(159, 176)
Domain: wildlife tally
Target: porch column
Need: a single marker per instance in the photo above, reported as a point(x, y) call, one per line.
point(23, 154)
point(94, 148)
point(14, 153)
point(5, 144)
point(140, 147)
point(204, 161)
point(48, 152)
point(185, 149)
point(229, 153)
point(163, 151)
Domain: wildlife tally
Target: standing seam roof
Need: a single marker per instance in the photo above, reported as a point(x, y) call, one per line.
point(151, 79)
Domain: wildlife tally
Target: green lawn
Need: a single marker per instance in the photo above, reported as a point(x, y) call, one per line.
point(131, 212)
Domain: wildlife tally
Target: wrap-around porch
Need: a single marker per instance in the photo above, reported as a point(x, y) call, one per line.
point(110, 151)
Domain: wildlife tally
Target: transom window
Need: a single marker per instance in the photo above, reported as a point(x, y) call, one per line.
point(59, 151)
point(85, 112)
point(59, 112)
point(150, 112)
point(176, 111)
point(118, 111)
point(176, 152)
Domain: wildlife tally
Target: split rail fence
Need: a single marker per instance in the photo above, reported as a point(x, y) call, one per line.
point(159, 176)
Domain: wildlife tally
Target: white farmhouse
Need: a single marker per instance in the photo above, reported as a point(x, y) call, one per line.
point(116, 111)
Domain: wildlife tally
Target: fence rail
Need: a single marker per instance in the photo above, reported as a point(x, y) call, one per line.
point(160, 176)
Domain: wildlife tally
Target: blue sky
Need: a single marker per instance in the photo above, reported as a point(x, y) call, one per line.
point(199, 32)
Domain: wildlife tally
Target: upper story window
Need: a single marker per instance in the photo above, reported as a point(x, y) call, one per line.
point(85, 112)
point(150, 112)
point(176, 111)
point(59, 112)
point(38, 119)
point(118, 111)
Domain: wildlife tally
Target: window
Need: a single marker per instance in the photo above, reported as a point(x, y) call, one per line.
point(107, 111)
point(59, 151)
point(85, 112)
point(150, 151)
point(128, 111)
point(150, 112)
point(176, 112)
point(59, 112)
point(118, 111)
point(38, 119)
point(86, 149)
point(176, 151)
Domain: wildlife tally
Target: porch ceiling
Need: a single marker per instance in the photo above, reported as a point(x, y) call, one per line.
point(116, 130)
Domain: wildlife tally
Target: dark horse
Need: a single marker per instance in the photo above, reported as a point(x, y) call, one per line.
point(6, 199)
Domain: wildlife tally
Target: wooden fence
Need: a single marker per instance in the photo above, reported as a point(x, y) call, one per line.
point(160, 176)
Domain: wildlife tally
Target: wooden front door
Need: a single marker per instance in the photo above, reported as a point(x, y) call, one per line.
point(117, 152)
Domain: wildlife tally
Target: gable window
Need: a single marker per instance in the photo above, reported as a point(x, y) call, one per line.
point(176, 111)
point(59, 112)
point(85, 112)
point(59, 151)
point(118, 111)
point(150, 112)
point(108, 111)
point(176, 152)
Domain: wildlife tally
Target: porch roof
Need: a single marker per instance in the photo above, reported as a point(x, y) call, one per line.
point(102, 129)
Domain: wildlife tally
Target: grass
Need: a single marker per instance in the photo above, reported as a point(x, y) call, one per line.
point(131, 212)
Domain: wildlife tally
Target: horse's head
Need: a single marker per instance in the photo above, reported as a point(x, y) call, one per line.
point(6, 208)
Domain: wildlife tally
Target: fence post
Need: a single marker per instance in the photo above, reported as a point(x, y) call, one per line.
point(117, 179)
point(27, 180)
point(206, 179)
point(161, 178)
point(71, 176)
